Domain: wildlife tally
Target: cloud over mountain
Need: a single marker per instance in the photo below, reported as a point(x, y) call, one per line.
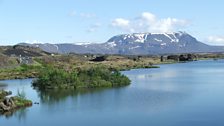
point(148, 22)
point(216, 40)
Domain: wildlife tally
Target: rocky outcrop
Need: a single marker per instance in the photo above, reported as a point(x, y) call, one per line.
point(182, 57)
point(99, 59)
point(8, 104)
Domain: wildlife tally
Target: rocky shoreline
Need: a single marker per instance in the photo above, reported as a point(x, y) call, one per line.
point(10, 104)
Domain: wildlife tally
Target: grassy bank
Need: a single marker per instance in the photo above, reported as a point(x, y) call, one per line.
point(77, 62)
point(20, 72)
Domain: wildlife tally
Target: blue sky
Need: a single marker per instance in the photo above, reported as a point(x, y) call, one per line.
point(72, 21)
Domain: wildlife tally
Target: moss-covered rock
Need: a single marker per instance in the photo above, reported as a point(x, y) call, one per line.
point(8, 104)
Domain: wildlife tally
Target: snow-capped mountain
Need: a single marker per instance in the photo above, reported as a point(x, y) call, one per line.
point(137, 43)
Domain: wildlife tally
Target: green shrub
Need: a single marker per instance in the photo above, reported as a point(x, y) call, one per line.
point(51, 78)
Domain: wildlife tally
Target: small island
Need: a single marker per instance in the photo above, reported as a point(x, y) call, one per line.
point(56, 78)
point(10, 104)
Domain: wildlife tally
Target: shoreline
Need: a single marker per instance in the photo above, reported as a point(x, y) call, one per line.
point(120, 63)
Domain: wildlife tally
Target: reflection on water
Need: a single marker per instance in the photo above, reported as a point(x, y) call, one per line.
point(3, 86)
point(173, 95)
point(60, 95)
point(20, 114)
point(103, 99)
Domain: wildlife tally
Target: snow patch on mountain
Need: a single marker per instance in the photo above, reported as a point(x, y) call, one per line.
point(158, 40)
point(168, 36)
point(163, 44)
point(82, 43)
point(139, 37)
point(135, 47)
point(56, 47)
point(111, 44)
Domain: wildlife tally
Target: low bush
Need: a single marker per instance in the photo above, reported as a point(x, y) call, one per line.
point(51, 78)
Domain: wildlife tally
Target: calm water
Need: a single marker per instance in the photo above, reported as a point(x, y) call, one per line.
point(187, 94)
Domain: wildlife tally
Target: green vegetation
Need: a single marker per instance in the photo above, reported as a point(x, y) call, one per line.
point(51, 78)
point(20, 71)
point(19, 62)
point(21, 102)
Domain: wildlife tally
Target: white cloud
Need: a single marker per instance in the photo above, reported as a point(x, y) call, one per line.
point(148, 17)
point(123, 24)
point(168, 25)
point(148, 22)
point(94, 27)
point(87, 15)
point(120, 22)
point(216, 40)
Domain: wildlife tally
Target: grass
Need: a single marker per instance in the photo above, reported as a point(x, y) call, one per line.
point(21, 102)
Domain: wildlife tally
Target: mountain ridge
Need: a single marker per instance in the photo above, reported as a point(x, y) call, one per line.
point(136, 44)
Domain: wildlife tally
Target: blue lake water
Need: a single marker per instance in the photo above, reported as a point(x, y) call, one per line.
point(185, 94)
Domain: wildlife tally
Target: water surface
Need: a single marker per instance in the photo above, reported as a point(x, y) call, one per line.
point(185, 94)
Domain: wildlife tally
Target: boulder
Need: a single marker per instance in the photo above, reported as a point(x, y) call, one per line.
point(4, 107)
point(3, 94)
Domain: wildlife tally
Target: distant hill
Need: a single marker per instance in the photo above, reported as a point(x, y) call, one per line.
point(9, 54)
point(18, 50)
point(136, 44)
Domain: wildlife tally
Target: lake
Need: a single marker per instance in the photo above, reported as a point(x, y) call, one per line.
point(184, 94)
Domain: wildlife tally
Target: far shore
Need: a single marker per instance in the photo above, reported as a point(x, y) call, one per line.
point(79, 62)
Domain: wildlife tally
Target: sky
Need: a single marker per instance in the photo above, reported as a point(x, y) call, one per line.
point(82, 21)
